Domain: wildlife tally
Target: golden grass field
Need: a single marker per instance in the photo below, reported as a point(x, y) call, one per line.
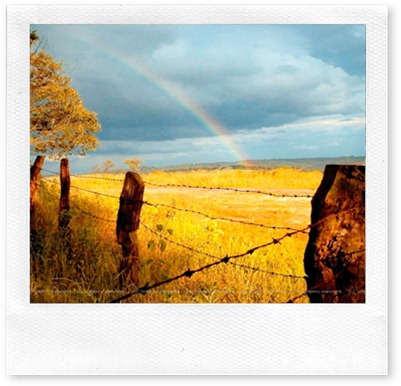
point(92, 274)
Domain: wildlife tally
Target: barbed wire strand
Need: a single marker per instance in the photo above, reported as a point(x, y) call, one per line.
point(75, 206)
point(274, 227)
point(246, 267)
point(194, 250)
point(275, 241)
point(93, 215)
point(184, 245)
point(98, 178)
point(226, 259)
point(146, 288)
point(86, 190)
point(257, 269)
point(82, 176)
point(189, 273)
point(189, 248)
point(238, 190)
point(183, 210)
point(248, 252)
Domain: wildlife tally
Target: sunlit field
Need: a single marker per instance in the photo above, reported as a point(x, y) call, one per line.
point(91, 275)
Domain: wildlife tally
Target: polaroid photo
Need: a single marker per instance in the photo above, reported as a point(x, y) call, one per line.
point(196, 190)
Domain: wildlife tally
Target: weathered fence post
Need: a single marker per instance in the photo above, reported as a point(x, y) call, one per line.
point(64, 206)
point(128, 219)
point(36, 168)
point(65, 183)
point(334, 258)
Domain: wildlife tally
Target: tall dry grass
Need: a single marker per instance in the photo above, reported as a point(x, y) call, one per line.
point(92, 273)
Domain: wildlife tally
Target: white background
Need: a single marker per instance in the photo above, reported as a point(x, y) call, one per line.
point(394, 140)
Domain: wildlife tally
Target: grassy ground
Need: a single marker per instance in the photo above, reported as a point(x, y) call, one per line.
point(90, 273)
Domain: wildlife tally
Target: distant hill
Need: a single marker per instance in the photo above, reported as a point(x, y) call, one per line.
point(300, 163)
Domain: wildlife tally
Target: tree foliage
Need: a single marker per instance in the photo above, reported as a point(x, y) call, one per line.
point(60, 124)
point(133, 164)
point(108, 165)
point(105, 167)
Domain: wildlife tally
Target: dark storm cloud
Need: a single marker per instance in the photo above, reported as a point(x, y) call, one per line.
point(339, 45)
point(244, 76)
point(148, 83)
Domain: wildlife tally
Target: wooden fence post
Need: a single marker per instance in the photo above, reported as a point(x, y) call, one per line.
point(64, 206)
point(335, 254)
point(128, 219)
point(36, 168)
point(65, 182)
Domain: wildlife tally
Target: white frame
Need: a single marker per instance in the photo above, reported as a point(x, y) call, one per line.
point(188, 338)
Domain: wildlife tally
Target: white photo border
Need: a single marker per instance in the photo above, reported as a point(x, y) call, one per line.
point(192, 339)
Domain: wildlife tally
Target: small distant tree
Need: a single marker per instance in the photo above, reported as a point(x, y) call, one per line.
point(134, 164)
point(97, 169)
point(105, 167)
point(108, 165)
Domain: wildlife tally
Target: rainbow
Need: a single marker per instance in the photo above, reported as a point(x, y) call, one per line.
point(178, 95)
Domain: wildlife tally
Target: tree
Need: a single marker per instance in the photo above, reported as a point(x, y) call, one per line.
point(96, 169)
point(107, 165)
point(134, 164)
point(60, 123)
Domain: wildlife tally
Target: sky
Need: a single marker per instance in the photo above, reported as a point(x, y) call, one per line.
point(174, 94)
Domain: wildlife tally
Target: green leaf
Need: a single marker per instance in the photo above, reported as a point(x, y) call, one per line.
point(151, 246)
point(162, 245)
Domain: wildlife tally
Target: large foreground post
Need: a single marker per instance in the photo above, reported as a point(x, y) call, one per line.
point(335, 254)
point(128, 219)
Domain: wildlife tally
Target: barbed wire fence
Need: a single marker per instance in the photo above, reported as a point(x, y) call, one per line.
point(218, 260)
point(237, 190)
